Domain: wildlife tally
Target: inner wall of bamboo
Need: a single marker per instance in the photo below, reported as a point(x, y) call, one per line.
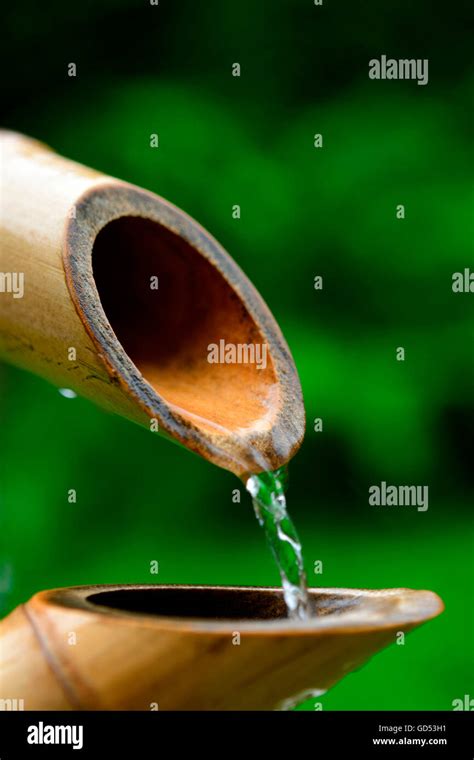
point(167, 304)
point(201, 603)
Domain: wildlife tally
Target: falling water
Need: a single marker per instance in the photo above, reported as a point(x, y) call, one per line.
point(268, 493)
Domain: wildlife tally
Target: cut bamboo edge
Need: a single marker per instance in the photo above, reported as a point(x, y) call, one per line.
point(87, 246)
point(193, 647)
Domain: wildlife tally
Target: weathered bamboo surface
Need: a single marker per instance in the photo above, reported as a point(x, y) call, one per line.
point(193, 647)
point(113, 292)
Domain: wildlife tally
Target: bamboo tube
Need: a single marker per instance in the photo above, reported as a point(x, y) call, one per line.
point(123, 294)
point(192, 647)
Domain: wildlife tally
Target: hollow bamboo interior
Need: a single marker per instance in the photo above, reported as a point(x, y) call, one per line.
point(122, 295)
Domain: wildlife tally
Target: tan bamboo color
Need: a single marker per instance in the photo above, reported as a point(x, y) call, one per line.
point(87, 247)
point(191, 647)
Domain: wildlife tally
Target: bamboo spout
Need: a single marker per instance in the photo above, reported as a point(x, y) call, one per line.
point(122, 296)
point(192, 647)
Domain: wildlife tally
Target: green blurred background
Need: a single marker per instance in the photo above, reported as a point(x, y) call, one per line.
point(387, 283)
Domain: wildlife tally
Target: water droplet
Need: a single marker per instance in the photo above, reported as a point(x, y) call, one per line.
point(67, 393)
point(292, 702)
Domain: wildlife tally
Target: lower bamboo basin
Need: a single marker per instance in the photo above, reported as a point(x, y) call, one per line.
point(192, 647)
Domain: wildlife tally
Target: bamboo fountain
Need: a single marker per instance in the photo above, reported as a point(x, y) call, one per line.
point(87, 246)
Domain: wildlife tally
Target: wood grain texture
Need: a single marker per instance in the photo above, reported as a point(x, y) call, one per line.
point(87, 245)
point(174, 645)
